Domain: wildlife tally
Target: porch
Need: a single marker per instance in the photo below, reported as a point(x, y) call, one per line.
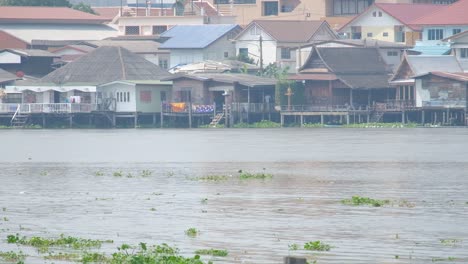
point(54, 108)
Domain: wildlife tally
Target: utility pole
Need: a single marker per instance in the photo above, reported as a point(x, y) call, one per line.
point(121, 7)
point(261, 54)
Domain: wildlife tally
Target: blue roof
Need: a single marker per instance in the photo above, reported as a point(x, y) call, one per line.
point(426, 48)
point(194, 36)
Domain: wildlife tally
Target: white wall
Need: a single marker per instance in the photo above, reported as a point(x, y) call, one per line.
point(448, 31)
point(111, 90)
point(9, 58)
point(183, 56)
point(251, 42)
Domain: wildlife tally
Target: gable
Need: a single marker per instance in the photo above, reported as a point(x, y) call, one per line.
point(404, 71)
point(7, 57)
point(323, 33)
point(315, 63)
point(366, 19)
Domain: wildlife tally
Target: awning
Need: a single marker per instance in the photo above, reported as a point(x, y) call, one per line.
point(313, 77)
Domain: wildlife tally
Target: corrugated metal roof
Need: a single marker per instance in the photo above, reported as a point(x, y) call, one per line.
point(106, 64)
point(431, 49)
point(29, 32)
point(136, 46)
point(31, 53)
point(195, 36)
point(243, 79)
point(6, 76)
point(421, 64)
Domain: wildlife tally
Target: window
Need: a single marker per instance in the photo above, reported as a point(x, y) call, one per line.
point(157, 30)
point(385, 34)
point(162, 94)
point(369, 34)
point(132, 30)
point(128, 96)
point(380, 14)
point(226, 54)
point(285, 53)
point(456, 31)
point(464, 53)
point(351, 7)
point(163, 63)
point(435, 34)
point(374, 14)
point(270, 8)
point(392, 53)
point(145, 96)
point(244, 52)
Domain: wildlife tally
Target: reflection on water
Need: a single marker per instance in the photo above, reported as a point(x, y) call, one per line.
point(50, 186)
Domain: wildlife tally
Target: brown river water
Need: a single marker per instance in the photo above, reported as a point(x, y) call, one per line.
point(49, 186)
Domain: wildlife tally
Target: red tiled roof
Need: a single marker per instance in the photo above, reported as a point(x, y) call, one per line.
point(25, 14)
point(454, 14)
point(405, 13)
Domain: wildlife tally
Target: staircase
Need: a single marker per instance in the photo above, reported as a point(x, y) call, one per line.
point(376, 116)
point(225, 10)
point(19, 120)
point(215, 121)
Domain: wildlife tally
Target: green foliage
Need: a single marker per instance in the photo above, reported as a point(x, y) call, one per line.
point(450, 242)
point(273, 71)
point(94, 258)
point(357, 200)
point(43, 244)
point(261, 124)
point(313, 125)
point(65, 3)
point(297, 88)
point(293, 247)
point(62, 256)
point(192, 232)
point(212, 178)
point(212, 252)
point(146, 173)
point(117, 173)
point(99, 173)
point(443, 259)
point(144, 254)
point(12, 256)
point(84, 8)
point(317, 246)
point(260, 176)
point(244, 58)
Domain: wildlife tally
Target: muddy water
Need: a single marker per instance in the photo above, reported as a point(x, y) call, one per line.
point(48, 187)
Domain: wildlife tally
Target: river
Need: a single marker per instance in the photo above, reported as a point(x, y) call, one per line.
point(56, 182)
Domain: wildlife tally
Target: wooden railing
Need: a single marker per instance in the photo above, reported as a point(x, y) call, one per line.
point(315, 108)
point(48, 108)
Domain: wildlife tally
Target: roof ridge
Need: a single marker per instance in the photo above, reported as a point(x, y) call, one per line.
point(122, 65)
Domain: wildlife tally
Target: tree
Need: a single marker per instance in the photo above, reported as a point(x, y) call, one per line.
point(84, 8)
point(65, 3)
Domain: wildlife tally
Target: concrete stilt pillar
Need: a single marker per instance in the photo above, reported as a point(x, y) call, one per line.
point(347, 119)
point(302, 121)
point(423, 116)
point(321, 119)
point(282, 120)
point(71, 121)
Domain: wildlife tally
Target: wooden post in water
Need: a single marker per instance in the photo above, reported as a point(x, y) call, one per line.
point(71, 121)
point(321, 119)
point(282, 120)
point(422, 117)
point(154, 119)
point(347, 119)
point(135, 120)
point(43, 121)
point(190, 114)
point(302, 120)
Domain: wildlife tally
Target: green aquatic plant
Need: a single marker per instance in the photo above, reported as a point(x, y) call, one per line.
point(144, 254)
point(5, 219)
point(357, 200)
point(382, 125)
point(153, 209)
point(117, 173)
point(98, 173)
point(261, 124)
point(450, 242)
point(192, 232)
point(94, 258)
point(212, 178)
point(62, 256)
point(317, 246)
point(146, 173)
point(204, 200)
point(212, 252)
point(11, 256)
point(43, 244)
point(294, 247)
point(313, 125)
point(4, 209)
point(443, 259)
point(43, 173)
point(243, 175)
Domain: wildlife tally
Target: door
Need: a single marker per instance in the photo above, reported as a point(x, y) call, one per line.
point(56, 97)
